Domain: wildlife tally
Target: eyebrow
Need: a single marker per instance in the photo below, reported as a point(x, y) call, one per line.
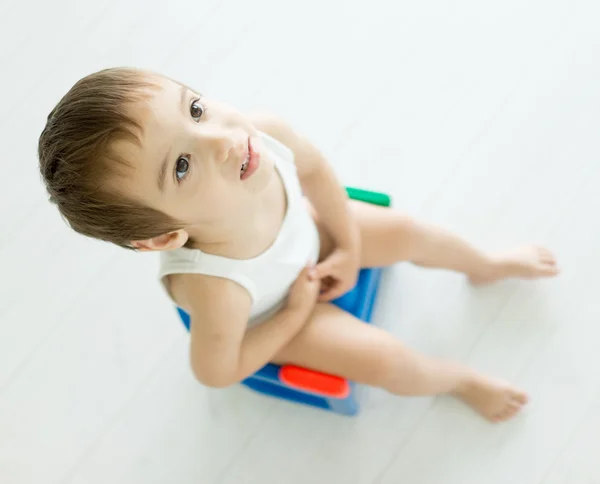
point(162, 172)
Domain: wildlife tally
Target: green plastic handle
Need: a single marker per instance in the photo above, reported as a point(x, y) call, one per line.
point(376, 198)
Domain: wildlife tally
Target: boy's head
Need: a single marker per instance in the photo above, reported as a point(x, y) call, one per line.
point(142, 161)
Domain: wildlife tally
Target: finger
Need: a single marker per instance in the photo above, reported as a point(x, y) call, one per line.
point(309, 271)
point(322, 270)
point(325, 296)
point(332, 293)
point(325, 287)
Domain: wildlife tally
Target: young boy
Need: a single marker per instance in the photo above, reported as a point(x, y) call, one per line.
point(256, 235)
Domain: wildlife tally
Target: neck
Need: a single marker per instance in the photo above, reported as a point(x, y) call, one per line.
point(201, 236)
point(212, 237)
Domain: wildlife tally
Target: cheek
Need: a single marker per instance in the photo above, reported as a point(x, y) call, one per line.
point(262, 178)
point(218, 200)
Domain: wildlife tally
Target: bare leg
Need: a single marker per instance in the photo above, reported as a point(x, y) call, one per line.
point(389, 237)
point(333, 341)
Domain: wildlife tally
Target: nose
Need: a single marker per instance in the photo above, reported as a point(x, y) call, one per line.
point(220, 142)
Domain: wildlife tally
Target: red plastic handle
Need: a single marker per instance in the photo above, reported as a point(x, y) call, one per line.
point(314, 382)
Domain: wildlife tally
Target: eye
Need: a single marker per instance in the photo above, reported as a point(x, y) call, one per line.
point(182, 166)
point(196, 110)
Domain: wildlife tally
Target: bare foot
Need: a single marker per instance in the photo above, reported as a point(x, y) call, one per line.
point(495, 401)
point(528, 262)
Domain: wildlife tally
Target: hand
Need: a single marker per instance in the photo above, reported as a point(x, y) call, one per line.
point(304, 292)
point(338, 273)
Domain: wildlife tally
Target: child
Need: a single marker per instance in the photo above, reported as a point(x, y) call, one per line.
point(256, 235)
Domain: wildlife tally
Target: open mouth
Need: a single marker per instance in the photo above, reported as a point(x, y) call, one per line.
point(245, 164)
point(250, 163)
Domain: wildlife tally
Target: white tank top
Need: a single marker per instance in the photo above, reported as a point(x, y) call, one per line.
point(268, 276)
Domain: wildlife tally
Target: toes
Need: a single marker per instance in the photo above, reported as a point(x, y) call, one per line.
point(549, 270)
point(519, 397)
point(501, 417)
point(514, 404)
point(546, 256)
point(547, 263)
point(548, 259)
point(509, 412)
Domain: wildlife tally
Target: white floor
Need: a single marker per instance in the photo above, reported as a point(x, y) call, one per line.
point(481, 116)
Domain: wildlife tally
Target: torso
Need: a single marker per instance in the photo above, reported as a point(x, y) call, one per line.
point(251, 240)
point(277, 237)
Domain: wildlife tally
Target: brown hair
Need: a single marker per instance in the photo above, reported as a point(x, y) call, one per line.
point(77, 158)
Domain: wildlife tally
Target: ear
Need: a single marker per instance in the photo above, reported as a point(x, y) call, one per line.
point(168, 241)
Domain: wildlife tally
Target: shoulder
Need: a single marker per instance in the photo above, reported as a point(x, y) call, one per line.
point(275, 127)
point(210, 298)
point(306, 155)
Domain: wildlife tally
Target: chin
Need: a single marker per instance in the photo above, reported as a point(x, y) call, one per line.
point(263, 176)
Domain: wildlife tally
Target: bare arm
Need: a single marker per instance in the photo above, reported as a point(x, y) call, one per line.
point(223, 350)
point(318, 180)
point(339, 271)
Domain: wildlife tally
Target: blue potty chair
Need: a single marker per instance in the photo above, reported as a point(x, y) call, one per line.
point(308, 387)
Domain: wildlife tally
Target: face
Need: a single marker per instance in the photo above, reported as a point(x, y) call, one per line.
point(199, 161)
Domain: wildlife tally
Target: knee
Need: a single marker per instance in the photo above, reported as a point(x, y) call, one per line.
point(394, 372)
point(408, 232)
point(386, 365)
point(402, 224)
